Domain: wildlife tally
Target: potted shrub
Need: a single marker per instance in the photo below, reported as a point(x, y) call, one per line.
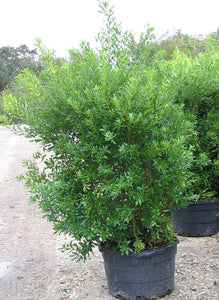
point(114, 160)
point(196, 86)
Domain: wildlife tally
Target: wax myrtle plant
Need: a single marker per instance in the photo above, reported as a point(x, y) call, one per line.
point(194, 83)
point(114, 156)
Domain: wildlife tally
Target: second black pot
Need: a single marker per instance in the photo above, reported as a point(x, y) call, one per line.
point(198, 218)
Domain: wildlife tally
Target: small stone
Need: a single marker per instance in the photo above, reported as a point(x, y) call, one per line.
point(20, 277)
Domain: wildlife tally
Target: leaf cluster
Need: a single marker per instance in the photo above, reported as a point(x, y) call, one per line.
point(13, 60)
point(195, 85)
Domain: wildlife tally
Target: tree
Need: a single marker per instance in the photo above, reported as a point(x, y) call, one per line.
point(13, 60)
point(149, 47)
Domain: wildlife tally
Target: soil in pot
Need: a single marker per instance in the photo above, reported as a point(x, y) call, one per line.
point(198, 218)
point(146, 275)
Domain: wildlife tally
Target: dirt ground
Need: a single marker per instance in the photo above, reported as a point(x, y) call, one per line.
point(33, 268)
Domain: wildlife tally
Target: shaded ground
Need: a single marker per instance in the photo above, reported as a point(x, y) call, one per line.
point(33, 268)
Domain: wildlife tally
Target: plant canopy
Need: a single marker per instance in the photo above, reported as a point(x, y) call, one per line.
point(115, 152)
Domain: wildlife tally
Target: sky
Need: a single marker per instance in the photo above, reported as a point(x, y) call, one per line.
point(63, 24)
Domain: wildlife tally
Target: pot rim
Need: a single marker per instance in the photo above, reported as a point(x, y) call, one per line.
point(203, 201)
point(145, 253)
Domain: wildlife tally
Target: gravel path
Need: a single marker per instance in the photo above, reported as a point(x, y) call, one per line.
point(33, 268)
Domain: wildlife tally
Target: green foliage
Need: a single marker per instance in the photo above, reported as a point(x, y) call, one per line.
point(10, 106)
point(13, 60)
point(148, 46)
point(143, 50)
point(115, 155)
point(187, 44)
point(195, 84)
point(3, 119)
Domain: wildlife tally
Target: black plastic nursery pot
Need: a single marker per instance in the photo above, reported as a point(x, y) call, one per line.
point(146, 275)
point(198, 218)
